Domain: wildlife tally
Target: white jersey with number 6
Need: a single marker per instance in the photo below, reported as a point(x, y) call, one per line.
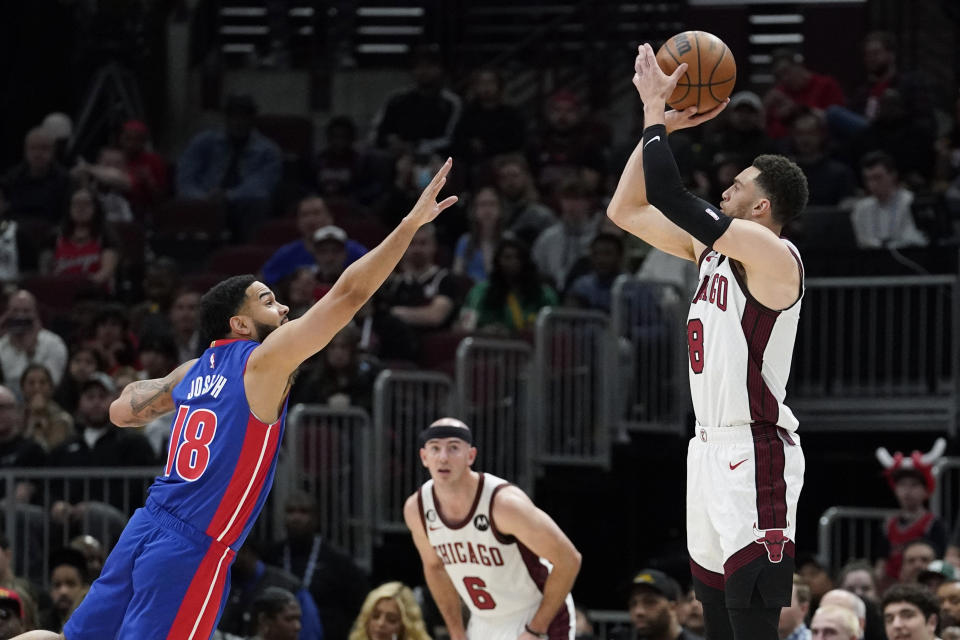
point(499, 578)
point(740, 351)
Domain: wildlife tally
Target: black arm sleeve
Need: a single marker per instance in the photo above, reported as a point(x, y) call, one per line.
point(666, 192)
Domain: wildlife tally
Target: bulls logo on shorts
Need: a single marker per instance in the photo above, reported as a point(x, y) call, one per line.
point(481, 522)
point(774, 541)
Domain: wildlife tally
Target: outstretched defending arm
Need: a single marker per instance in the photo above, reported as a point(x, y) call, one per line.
point(143, 400)
point(292, 343)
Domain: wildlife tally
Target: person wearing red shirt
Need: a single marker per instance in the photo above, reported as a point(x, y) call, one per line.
point(147, 170)
point(85, 245)
point(798, 89)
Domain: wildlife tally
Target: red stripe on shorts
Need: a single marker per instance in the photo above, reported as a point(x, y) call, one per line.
point(201, 604)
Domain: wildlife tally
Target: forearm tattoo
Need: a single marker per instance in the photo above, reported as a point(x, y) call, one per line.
point(149, 398)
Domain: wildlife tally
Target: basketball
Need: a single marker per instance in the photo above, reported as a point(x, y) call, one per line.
point(711, 69)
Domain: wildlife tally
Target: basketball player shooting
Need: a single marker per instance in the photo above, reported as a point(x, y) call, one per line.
point(483, 540)
point(744, 463)
point(167, 578)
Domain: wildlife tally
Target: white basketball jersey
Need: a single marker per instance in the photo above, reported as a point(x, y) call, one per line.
point(739, 350)
point(495, 575)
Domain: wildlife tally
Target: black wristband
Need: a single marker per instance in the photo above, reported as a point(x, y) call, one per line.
point(666, 192)
point(542, 636)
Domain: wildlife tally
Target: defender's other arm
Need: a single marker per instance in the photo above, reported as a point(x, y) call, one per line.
point(143, 400)
point(441, 587)
point(515, 514)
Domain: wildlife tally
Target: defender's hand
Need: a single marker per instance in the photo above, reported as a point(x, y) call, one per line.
point(427, 207)
point(653, 85)
point(677, 120)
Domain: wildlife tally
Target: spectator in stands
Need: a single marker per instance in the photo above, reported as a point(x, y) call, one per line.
point(404, 189)
point(584, 628)
point(507, 303)
point(792, 625)
point(883, 73)
point(46, 421)
point(857, 577)
point(884, 218)
point(68, 585)
point(560, 246)
point(99, 443)
point(161, 281)
point(910, 612)
point(312, 214)
point(329, 253)
point(298, 291)
point(936, 573)
point(390, 612)
point(275, 614)
point(146, 170)
point(336, 583)
point(60, 127)
point(851, 602)
point(489, 127)
point(250, 577)
point(94, 553)
point(652, 604)
point(184, 325)
point(915, 558)
point(22, 586)
point(109, 180)
point(797, 89)
point(17, 450)
point(525, 216)
point(834, 623)
point(342, 171)
point(158, 357)
point(339, 377)
point(949, 595)
point(830, 181)
point(37, 187)
point(12, 614)
point(473, 255)
point(86, 246)
point(25, 341)
point(592, 290)
point(84, 361)
point(816, 578)
point(18, 249)
point(690, 613)
point(740, 130)
point(110, 336)
point(420, 119)
point(237, 166)
point(420, 297)
point(567, 148)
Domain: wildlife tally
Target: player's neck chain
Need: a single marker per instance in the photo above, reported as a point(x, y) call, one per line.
point(311, 561)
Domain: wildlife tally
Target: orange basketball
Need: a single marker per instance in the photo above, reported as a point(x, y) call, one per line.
point(711, 69)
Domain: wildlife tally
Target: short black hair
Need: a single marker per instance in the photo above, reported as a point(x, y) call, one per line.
point(917, 542)
point(270, 602)
point(915, 594)
point(878, 158)
point(68, 556)
point(221, 303)
point(785, 184)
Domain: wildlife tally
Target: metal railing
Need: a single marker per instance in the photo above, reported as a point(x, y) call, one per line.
point(573, 356)
point(945, 501)
point(878, 353)
point(56, 505)
point(331, 458)
point(493, 385)
point(606, 621)
point(652, 392)
point(847, 533)
point(404, 403)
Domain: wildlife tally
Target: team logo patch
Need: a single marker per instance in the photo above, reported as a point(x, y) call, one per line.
point(431, 515)
point(773, 540)
point(703, 434)
point(211, 361)
point(481, 522)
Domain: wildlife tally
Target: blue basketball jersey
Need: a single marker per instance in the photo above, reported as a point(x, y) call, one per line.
point(221, 458)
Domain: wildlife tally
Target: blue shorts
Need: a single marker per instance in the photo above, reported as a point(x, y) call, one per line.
point(165, 580)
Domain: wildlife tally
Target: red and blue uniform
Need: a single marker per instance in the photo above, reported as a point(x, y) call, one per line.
point(168, 576)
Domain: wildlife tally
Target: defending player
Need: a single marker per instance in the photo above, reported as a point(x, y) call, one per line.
point(168, 575)
point(483, 538)
point(744, 465)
